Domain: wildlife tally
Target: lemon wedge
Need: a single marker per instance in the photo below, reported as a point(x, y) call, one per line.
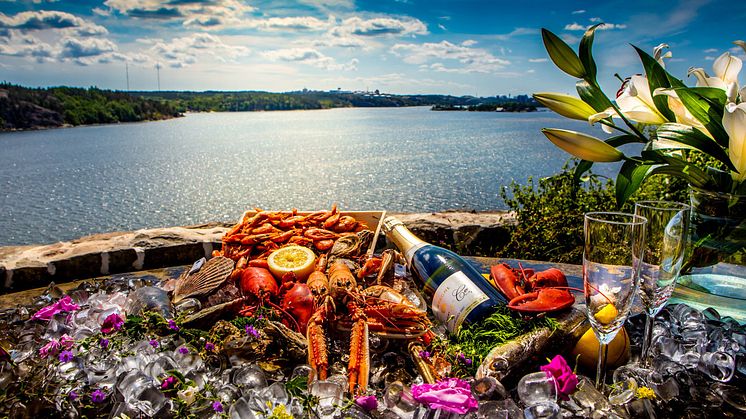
point(607, 314)
point(297, 259)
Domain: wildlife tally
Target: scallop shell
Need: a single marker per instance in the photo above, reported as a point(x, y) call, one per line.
point(213, 273)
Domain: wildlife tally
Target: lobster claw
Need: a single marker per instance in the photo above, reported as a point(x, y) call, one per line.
point(506, 280)
point(544, 300)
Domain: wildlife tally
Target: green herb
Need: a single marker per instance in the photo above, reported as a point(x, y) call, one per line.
point(475, 341)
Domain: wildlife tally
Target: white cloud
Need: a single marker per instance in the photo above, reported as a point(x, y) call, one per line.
point(469, 43)
point(183, 51)
point(709, 58)
point(77, 48)
point(206, 13)
point(595, 19)
point(538, 60)
point(442, 27)
point(710, 50)
point(473, 60)
point(50, 19)
point(380, 26)
point(515, 32)
point(310, 56)
point(578, 12)
point(605, 26)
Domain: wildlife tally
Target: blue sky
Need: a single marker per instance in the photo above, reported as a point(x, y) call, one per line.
point(404, 46)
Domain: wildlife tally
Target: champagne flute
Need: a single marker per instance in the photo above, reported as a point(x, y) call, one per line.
point(611, 272)
point(662, 258)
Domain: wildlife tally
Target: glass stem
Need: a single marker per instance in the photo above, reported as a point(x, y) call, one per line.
point(647, 341)
point(603, 350)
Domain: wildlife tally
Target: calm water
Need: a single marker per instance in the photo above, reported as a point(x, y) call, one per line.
point(66, 183)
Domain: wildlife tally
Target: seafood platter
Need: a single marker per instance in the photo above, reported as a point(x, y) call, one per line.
point(299, 314)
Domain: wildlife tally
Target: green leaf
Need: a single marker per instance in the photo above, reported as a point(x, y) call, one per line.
point(713, 94)
point(581, 168)
point(562, 55)
point(582, 146)
point(681, 172)
point(593, 95)
point(706, 110)
point(629, 179)
point(586, 55)
point(693, 138)
point(620, 140)
point(657, 77)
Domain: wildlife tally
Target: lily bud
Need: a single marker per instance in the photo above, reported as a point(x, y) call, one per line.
point(734, 122)
point(562, 55)
point(565, 105)
point(583, 146)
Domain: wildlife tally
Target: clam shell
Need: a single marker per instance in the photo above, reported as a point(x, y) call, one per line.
point(213, 273)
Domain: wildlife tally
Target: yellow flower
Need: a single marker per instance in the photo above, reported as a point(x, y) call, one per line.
point(645, 393)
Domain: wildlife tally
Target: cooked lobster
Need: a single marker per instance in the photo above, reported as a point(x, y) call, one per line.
point(532, 292)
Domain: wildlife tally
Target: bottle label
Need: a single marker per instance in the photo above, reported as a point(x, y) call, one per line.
point(455, 298)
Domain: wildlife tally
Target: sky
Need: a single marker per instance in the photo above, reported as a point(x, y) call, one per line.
point(466, 47)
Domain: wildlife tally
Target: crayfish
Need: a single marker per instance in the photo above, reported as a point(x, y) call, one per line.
point(532, 292)
point(339, 301)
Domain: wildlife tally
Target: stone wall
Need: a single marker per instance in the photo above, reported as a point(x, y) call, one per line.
point(26, 267)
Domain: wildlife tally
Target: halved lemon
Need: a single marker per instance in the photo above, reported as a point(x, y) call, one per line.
point(297, 259)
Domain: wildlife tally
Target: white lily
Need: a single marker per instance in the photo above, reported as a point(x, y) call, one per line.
point(636, 102)
point(726, 68)
point(734, 122)
point(683, 116)
point(659, 55)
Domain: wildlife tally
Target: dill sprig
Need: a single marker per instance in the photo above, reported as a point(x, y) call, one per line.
point(474, 341)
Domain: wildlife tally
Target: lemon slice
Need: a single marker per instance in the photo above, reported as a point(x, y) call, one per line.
point(607, 314)
point(297, 259)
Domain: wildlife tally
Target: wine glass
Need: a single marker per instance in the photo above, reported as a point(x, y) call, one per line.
point(662, 258)
point(611, 272)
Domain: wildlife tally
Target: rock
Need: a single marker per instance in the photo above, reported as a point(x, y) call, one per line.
point(26, 267)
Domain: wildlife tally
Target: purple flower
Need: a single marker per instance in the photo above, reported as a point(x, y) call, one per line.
point(168, 383)
point(251, 331)
point(183, 350)
point(66, 341)
point(425, 355)
point(98, 396)
point(112, 323)
point(464, 360)
point(72, 395)
point(209, 346)
point(566, 380)
point(66, 356)
point(368, 403)
point(104, 343)
point(173, 326)
point(64, 304)
point(217, 406)
point(153, 343)
point(450, 394)
point(51, 348)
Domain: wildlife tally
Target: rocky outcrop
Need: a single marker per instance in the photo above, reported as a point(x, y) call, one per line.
point(26, 267)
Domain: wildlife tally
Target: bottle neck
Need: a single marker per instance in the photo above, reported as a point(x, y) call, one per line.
point(400, 236)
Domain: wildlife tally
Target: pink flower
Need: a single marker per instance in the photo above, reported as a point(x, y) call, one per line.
point(566, 380)
point(51, 348)
point(112, 322)
point(64, 304)
point(368, 403)
point(67, 341)
point(450, 394)
point(168, 383)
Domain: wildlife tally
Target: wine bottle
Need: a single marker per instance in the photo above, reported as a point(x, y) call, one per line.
point(457, 292)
